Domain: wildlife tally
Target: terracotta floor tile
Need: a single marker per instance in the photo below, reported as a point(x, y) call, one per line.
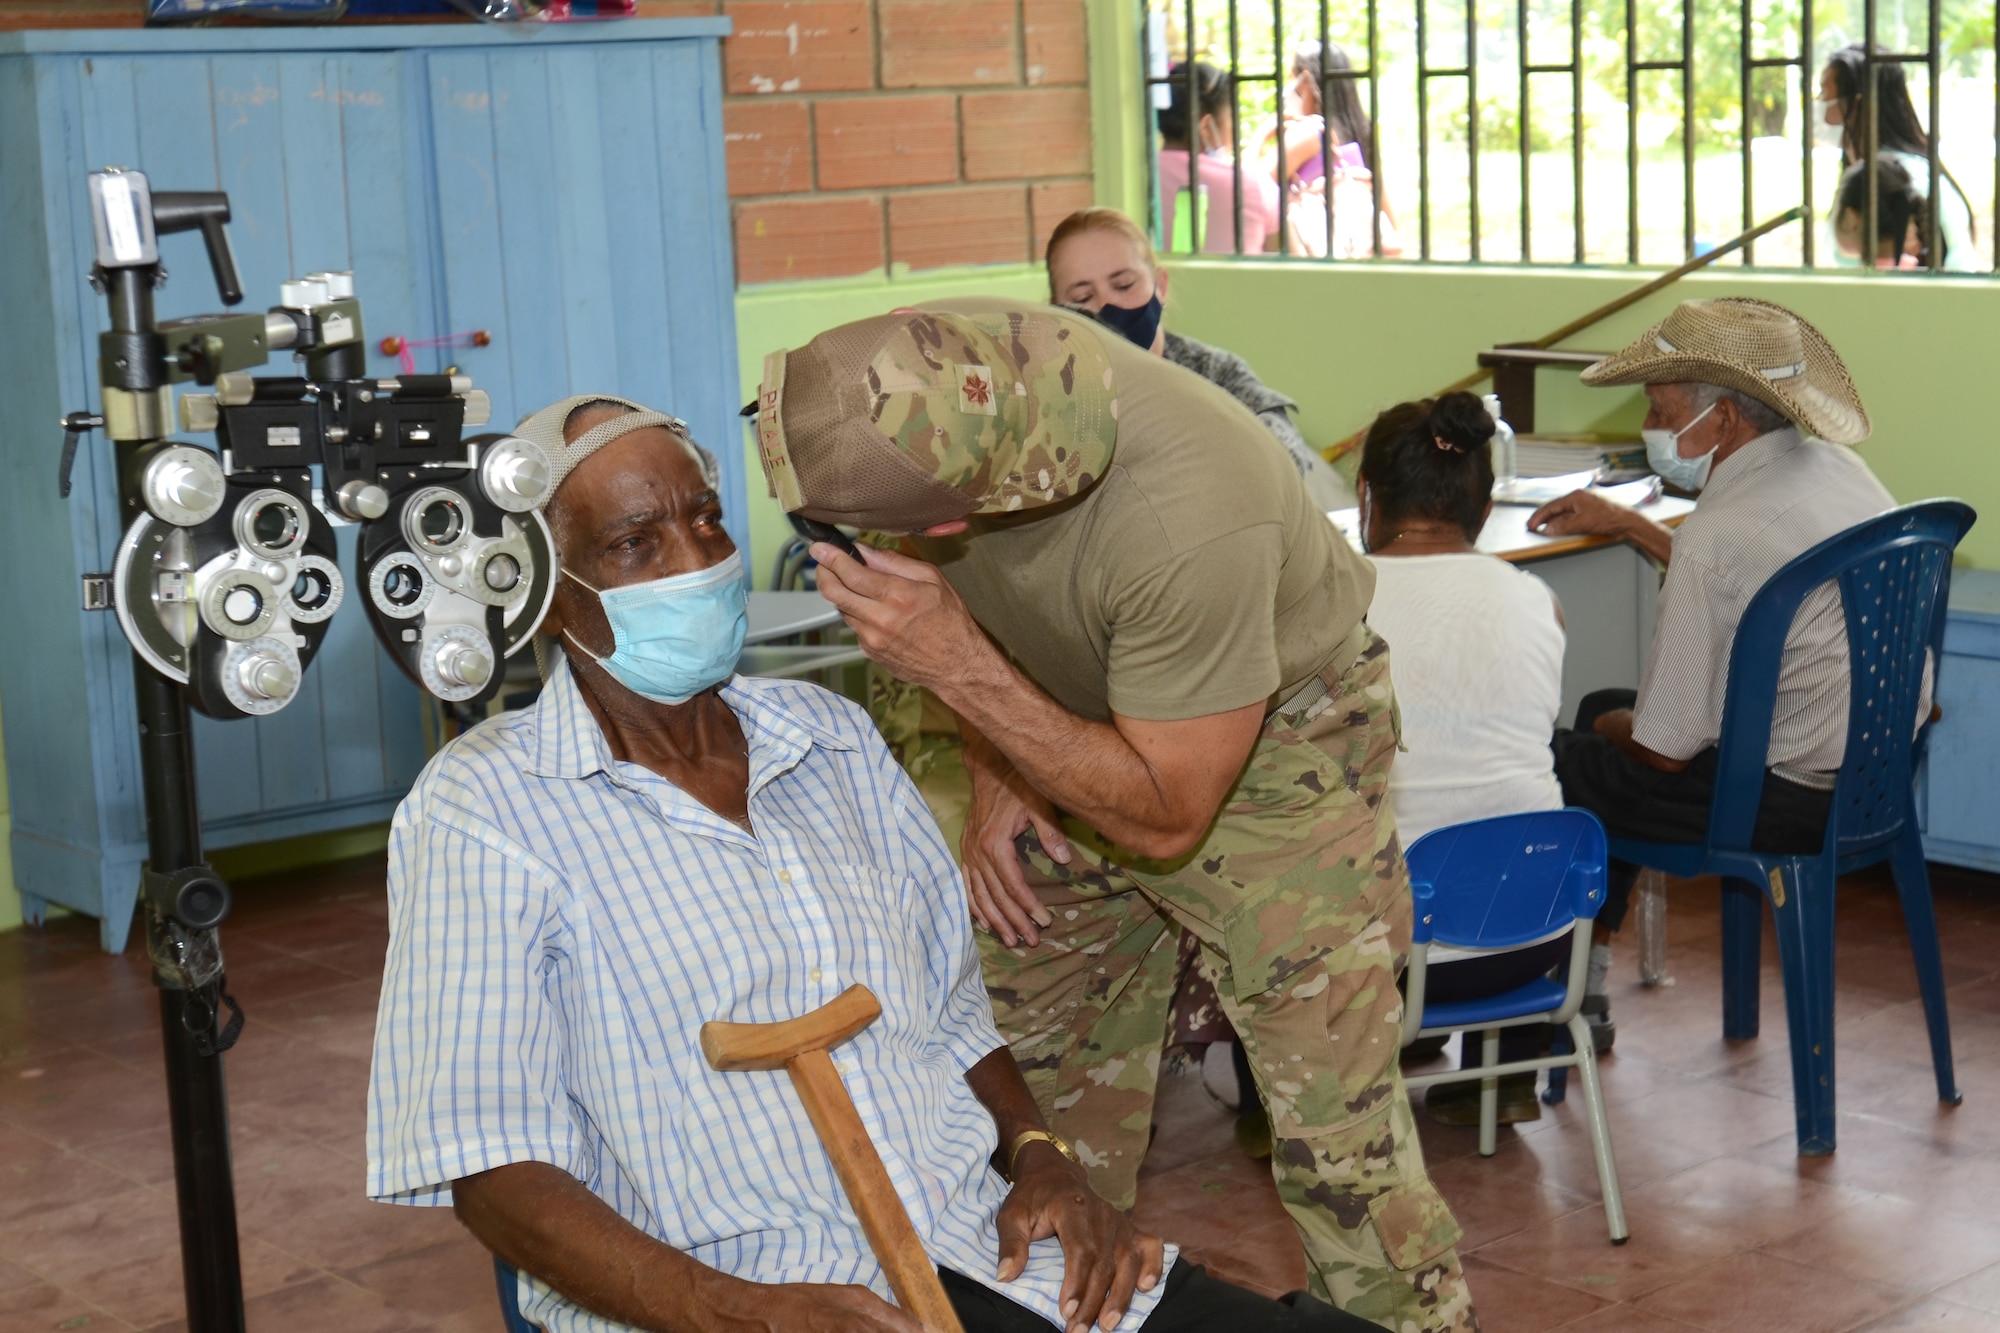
point(52, 1179)
point(1267, 1258)
point(311, 1091)
point(452, 1277)
point(39, 1306)
point(338, 1019)
point(77, 1097)
point(1770, 1295)
point(313, 1204)
point(1981, 1291)
point(1626, 1319)
point(1564, 1158)
point(1512, 1302)
point(1708, 1116)
point(1205, 1202)
point(1489, 1204)
point(1898, 1243)
point(324, 1305)
point(1933, 1316)
point(1575, 1250)
point(1756, 1205)
point(122, 1253)
point(1874, 1156)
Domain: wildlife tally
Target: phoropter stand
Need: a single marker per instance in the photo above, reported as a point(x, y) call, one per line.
point(227, 577)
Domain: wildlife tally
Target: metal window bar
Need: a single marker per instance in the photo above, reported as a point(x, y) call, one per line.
point(1804, 58)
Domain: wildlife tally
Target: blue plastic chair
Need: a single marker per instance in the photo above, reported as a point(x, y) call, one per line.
point(510, 1301)
point(1894, 573)
point(1498, 884)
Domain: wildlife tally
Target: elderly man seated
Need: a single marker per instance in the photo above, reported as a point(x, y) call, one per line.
point(1750, 406)
point(575, 888)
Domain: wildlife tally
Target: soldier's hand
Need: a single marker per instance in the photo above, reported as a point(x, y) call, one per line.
point(1003, 807)
point(908, 619)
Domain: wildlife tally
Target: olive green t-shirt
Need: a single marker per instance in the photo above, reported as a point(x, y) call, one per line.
point(1194, 578)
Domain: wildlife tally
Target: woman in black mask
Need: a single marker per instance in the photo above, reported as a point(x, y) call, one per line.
point(1100, 261)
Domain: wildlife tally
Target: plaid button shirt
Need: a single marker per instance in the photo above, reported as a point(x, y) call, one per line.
point(562, 924)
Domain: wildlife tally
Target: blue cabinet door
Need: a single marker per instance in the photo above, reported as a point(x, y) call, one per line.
point(581, 211)
point(561, 189)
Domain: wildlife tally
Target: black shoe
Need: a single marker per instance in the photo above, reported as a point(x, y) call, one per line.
point(1596, 1011)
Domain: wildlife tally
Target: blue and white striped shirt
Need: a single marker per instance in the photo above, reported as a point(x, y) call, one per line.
point(562, 924)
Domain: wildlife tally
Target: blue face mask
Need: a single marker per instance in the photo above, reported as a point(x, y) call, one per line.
point(1663, 452)
point(1139, 324)
point(675, 636)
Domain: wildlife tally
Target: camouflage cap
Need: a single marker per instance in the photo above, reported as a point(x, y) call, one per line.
point(927, 415)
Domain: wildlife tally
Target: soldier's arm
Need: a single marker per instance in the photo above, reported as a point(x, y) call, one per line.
point(1153, 787)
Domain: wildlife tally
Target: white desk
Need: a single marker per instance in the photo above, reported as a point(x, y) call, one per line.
point(1609, 592)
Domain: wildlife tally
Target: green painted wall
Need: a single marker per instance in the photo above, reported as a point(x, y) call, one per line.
point(1347, 340)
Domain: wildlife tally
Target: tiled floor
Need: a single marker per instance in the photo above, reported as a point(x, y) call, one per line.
point(1730, 1229)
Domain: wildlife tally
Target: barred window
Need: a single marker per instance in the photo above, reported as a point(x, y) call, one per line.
point(1576, 131)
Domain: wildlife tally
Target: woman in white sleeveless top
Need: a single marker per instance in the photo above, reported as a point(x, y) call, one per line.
point(1476, 648)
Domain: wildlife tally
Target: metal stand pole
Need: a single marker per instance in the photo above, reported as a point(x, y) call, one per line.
point(187, 963)
point(197, 1104)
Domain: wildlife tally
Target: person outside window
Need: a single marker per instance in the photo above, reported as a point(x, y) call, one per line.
point(1210, 142)
point(1900, 138)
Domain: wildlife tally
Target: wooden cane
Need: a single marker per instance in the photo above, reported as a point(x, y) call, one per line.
point(1605, 311)
point(799, 1046)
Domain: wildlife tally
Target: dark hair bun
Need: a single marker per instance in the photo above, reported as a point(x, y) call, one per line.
point(1460, 419)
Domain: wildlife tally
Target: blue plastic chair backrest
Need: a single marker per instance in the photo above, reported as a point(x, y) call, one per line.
point(1496, 883)
point(1895, 574)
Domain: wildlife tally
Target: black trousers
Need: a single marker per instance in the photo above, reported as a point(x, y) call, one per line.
point(1638, 801)
point(1193, 1302)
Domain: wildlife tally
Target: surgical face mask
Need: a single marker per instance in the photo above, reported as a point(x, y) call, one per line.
point(1139, 324)
point(1663, 452)
point(675, 636)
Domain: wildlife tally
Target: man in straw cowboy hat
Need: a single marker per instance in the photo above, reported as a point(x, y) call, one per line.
point(1750, 406)
point(1180, 722)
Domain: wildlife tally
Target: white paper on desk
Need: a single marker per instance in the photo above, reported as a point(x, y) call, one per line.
point(1540, 490)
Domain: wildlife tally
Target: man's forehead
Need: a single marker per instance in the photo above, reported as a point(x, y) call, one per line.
point(653, 461)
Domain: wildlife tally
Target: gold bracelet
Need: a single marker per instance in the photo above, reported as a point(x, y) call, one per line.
point(1027, 1137)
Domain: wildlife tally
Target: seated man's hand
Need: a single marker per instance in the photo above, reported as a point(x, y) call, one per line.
point(1105, 1258)
point(1581, 514)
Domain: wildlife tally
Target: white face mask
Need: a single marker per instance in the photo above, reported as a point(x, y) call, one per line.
point(1663, 451)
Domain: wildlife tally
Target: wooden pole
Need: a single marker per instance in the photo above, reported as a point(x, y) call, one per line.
point(800, 1046)
point(1605, 311)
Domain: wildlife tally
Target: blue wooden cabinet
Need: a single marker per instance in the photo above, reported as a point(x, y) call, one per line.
point(1962, 772)
point(558, 186)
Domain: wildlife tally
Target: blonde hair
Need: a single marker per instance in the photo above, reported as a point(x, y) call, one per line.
point(1109, 220)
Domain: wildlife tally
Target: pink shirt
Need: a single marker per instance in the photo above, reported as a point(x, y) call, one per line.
point(1218, 229)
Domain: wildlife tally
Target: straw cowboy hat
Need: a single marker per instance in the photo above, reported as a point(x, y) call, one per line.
point(1755, 347)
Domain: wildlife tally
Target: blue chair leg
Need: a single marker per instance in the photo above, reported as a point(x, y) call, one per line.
point(510, 1307)
point(1560, 1044)
point(1742, 957)
point(1805, 949)
point(1913, 886)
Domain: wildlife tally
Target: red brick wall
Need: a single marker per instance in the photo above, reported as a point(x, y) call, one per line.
point(865, 133)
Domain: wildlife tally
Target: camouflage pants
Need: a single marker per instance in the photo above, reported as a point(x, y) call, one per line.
point(1301, 902)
